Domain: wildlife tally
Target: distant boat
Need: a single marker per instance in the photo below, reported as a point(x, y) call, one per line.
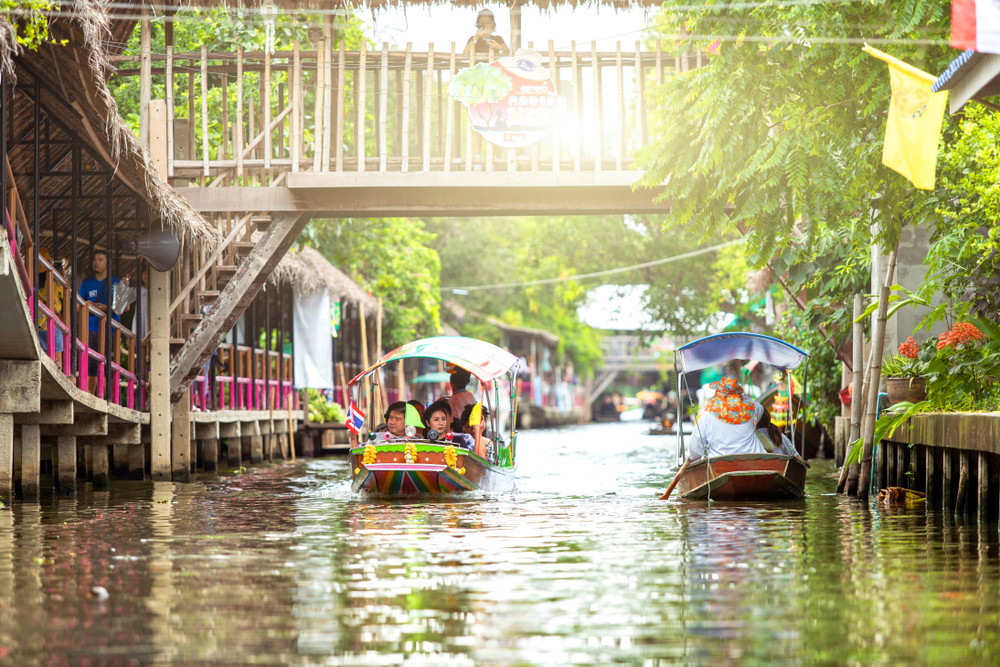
point(437, 463)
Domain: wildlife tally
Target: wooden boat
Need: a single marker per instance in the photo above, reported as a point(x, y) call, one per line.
point(743, 477)
point(751, 476)
point(416, 464)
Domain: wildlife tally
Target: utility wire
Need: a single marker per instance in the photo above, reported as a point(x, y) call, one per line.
point(595, 274)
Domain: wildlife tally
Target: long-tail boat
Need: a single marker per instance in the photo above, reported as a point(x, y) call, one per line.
point(757, 476)
point(424, 461)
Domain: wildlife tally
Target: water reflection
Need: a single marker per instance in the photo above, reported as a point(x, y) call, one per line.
point(581, 565)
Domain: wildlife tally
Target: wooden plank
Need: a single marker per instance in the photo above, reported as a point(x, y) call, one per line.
point(319, 111)
point(233, 300)
point(238, 128)
point(597, 131)
point(578, 93)
point(405, 129)
point(204, 110)
point(169, 85)
point(265, 105)
point(383, 103)
point(359, 123)
point(428, 93)
point(557, 130)
point(449, 132)
point(341, 82)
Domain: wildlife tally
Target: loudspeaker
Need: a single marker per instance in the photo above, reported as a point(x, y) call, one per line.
point(159, 246)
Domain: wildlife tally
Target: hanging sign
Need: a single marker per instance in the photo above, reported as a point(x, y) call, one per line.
point(512, 101)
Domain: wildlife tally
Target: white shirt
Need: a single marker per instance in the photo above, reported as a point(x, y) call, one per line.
point(723, 438)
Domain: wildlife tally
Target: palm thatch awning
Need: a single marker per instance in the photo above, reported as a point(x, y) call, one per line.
point(307, 271)
point(68, 75)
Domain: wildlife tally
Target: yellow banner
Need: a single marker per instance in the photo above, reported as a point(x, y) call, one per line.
point(913, 128)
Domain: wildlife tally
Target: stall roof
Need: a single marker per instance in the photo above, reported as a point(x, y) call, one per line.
point(308, 271)
point(972, 75)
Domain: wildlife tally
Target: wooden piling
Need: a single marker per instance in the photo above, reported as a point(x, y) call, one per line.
point(930, 476)
point(983, 487)
point(962, 495)
point(947, 479)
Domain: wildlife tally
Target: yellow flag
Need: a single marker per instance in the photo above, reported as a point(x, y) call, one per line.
point(914, 125)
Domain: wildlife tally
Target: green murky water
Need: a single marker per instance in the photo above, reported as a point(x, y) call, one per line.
point(581, 565)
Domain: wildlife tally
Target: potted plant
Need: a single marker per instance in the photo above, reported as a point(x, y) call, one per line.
point(904, 371)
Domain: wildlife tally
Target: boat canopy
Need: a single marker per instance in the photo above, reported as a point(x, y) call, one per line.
point(483, 360)
point(720, 348)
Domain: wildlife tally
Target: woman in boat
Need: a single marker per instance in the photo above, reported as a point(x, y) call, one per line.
point(437, 417)
point(770, 436)
point(728, 424)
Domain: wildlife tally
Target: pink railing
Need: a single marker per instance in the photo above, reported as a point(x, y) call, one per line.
point(236, 380)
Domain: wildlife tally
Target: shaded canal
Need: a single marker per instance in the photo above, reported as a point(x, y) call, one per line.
point(582, 565)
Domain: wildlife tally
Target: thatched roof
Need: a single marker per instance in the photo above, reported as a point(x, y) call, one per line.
point(308, 271)
point(461, 313)
point(72, 70)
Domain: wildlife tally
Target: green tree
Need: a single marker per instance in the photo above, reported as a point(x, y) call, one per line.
point(28, 21)
point(391, 259)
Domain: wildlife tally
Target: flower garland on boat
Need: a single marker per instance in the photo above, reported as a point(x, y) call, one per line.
point(451, 458)
point(411, 452)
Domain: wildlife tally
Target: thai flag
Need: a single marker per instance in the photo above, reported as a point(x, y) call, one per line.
point(355, 419)
point(975, 24)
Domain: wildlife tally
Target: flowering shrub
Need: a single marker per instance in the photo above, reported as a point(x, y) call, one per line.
point(911, 361)
point(962, 374)
point(960, 334)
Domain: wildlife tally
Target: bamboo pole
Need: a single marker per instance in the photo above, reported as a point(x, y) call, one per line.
point(238, 127)
point(359, 85)
point(297, 102)
point(378, 346)
point(405, 129)
point(225, 116)
point(364, 353)
point(878, 341)
point(849, 474)
point(640, 76)
point(428, 93)
point(327, 92)
point(622, 126)
point(557, 134)
point(341, 82)
point(383, 109)
point(204, 110)
point(598, 130)
point(578, 92)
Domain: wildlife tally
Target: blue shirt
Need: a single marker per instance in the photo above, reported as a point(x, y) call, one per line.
point(92, 289)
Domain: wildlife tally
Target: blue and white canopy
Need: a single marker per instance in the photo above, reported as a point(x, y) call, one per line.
point(720, 348)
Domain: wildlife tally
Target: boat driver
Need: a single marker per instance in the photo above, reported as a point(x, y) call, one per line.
point(728, 424)
point(395, 420)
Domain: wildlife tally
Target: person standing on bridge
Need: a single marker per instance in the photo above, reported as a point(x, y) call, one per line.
point(484, 41)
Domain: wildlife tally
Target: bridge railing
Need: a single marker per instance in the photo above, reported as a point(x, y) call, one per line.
point(329, 110)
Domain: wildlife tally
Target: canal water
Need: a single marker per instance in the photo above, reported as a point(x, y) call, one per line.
point(581, 565)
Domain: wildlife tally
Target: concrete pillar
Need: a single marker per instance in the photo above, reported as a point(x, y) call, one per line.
point(119, 461)
point(256, 449)
point(65, 468)
point(234, 445)
point(211, 450)
point(181, 441)
point(31, 461)
point(99, 465)
point(137, 462)
point(159, 327)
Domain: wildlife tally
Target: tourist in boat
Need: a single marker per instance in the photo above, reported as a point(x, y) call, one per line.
point(486, 436)
point(395, 420)
point(484, 41)
point(437, 417)
point(728, 424)
point(770, 436)
point(460, 396)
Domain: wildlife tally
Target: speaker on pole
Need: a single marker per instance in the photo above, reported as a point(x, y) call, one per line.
point(159, 246)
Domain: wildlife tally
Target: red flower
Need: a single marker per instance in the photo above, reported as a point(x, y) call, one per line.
point(909, 348)
point(962, 332)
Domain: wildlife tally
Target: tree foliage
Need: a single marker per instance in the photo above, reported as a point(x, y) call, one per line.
point(29, 21)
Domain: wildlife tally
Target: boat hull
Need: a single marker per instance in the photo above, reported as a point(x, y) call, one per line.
point(390, 474)
point(744, 477)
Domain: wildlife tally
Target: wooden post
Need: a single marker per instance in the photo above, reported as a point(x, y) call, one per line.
point(145, 73)
point(659, 62)
point(428, 93)
point(319, 110)
point(962, 497)
point(640, 75)
point(878, 341)
point(598, 131)
point(578, 94)
point(265, 104)
point(359, 123)
point(622, 126)
point(159, 344)
point(449, 131)
point(930, 476)
point(238, 127)
point(364, 355)
point(225, 116)
point(204, 110)
point(947, 478)
point(169, 85)
point(383, 102)
point(297, 106)
point(515, 26)
point(405, 129)
point(31, 460)
point(468, 123)
point(341, 82)
point(327, 91)
point(65, 468)
point(983, 487)
point(181, 441)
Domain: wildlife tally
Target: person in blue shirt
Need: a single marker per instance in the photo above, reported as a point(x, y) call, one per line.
point(97, 291)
